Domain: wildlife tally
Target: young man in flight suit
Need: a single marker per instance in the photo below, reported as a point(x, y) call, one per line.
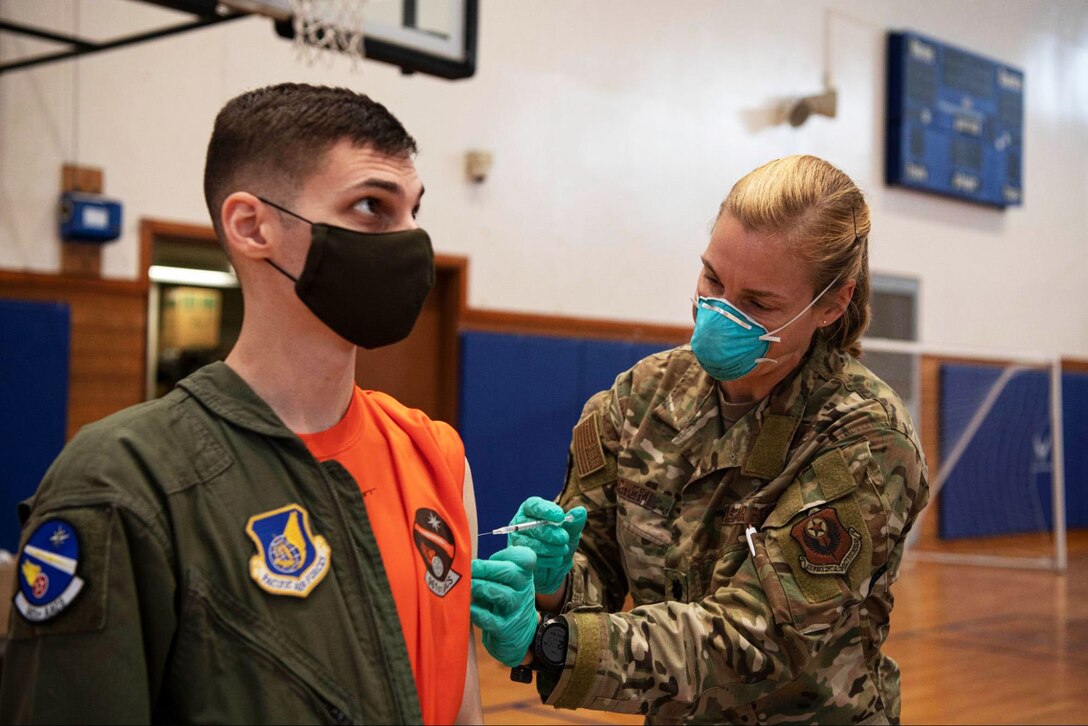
point(268, 542)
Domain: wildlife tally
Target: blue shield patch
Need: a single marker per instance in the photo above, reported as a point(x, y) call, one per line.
point(291, 559)
point(47, 571)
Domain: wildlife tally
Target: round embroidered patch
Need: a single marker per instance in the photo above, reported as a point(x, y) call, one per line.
point(47, 571)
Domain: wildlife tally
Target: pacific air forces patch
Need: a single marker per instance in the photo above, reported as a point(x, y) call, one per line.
point(291, 559)
point(47, 569)
point(434, 540)
point(827, 546)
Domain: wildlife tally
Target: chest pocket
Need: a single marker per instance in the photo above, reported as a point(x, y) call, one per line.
point(819, 531)
point(644, 533)
point(245, 669)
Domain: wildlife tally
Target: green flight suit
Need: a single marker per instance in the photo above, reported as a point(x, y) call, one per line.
point(784, 628)
point(171, 624)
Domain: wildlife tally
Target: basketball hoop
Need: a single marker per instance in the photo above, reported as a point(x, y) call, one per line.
point(322, 26)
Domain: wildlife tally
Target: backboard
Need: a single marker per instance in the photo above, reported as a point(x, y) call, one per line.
point(436, 37)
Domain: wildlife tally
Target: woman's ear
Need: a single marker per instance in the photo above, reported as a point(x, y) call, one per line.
point(245, 219)
point(838, 301)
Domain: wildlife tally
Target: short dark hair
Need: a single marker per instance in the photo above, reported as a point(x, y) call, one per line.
point(271, 139)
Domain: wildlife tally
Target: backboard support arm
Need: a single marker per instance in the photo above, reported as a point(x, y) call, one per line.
point(82, 47)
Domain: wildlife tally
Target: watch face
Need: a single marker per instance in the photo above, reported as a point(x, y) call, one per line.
point(553, 644)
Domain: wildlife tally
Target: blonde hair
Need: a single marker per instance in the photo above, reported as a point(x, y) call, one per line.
point(821, 217)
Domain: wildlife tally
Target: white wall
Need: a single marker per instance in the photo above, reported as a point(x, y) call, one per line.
point(617, 128)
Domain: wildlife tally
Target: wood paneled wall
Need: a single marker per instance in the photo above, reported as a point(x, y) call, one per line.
point(109, 337)
point(497, 321)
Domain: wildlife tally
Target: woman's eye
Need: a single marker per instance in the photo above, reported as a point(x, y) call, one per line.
point(711, 279)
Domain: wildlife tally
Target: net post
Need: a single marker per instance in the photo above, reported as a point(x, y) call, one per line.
point(1057, 466)
point(1013, 363)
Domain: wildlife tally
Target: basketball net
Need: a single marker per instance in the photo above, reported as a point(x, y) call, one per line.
point(323, 27)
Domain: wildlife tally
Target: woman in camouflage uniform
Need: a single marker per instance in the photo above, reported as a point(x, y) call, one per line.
point(751, 492)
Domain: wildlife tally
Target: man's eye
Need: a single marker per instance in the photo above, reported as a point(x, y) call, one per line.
point(711, 279)
point(370, 206)
point(757, 305)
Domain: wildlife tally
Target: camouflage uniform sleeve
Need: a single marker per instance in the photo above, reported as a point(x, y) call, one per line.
point(762, 628)
point(101, 658)
point(596, 581)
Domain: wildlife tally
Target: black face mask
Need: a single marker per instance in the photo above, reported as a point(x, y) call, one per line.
point(368, 288)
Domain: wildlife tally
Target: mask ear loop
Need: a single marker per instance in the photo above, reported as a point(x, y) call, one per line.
point(771, 337)
point(284, 272)
point(284, 210)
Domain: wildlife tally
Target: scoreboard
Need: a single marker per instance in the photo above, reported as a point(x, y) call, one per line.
point(955, 122)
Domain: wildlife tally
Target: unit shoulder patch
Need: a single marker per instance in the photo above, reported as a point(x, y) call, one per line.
point(435, 541)
point(587, 450)
point(48, 570)
point(291, 559)
point(827, 546)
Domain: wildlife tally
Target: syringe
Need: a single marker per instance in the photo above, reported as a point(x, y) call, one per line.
point(531, 524)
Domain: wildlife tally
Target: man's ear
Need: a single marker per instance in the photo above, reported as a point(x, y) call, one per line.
point(838, 301)
point(246, 226)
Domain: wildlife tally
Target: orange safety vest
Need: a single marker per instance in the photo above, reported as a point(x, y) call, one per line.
point(411, 471)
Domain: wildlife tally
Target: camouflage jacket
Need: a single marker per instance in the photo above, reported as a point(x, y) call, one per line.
point(784, 626)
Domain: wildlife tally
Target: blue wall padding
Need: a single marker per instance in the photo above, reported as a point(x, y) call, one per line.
point(520, 397)
point(34, 350)
point(1075, 423)
point(1002, 483)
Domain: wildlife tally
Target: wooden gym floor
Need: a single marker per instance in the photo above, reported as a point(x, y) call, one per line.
point(976, 645)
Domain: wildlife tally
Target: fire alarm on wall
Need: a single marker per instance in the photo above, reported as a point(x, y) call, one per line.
point(89, 218)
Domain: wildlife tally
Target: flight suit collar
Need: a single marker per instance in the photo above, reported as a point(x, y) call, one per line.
point(221, 390)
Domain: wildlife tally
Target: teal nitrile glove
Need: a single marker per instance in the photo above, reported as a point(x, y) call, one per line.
point(504, 604)
point(554, 546)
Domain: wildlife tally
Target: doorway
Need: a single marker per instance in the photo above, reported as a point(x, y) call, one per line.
point(421, 371)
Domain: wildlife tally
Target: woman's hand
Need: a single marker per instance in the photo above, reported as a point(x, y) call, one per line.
point(554, 545)
point(503, 603)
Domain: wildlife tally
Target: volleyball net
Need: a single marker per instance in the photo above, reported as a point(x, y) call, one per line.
point(992, 427)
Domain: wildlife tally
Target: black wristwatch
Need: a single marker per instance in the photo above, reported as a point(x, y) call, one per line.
point(550, 644)
point(549, 649)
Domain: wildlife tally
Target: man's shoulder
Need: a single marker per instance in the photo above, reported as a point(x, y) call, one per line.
point(142, 422)
point(116, 458)
point(404, 414)
point(411, 419)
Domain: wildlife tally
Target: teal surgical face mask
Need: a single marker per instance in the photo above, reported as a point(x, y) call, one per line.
point(728, 343)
